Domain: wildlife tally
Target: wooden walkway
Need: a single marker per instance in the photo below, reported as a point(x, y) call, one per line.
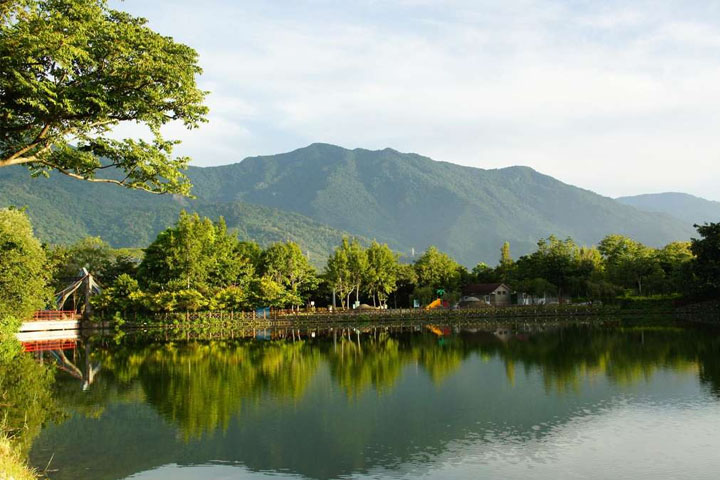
point(51, 320)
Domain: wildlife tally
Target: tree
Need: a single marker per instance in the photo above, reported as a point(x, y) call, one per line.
point(23, 278)
point(287, 266)
point(266, 292)
point(70, 71)
point(406, 281)
point(194, 254)
point(91, 253)
point(627, 262)
point(706, 266)
point(253, 252)
point(483, 273)
point(555, 261)
point(338, 273)
point(437, 270)
point(675, 261)
point(506, 265)
point(122, 296)
point(382, 272)
point(23, 272)
point(358, 264)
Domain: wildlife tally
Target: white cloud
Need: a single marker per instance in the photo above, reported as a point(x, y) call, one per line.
point(620, 99)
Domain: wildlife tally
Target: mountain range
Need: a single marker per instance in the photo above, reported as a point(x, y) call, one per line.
point(317, 194)
point(688, 208)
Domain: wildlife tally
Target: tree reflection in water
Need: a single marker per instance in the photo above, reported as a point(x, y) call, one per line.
point(272, 399)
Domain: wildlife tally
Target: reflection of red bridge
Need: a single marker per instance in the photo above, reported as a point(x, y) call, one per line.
point(47, 345)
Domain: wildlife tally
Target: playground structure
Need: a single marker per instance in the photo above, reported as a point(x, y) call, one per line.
point(438, 303)
point(435, 304)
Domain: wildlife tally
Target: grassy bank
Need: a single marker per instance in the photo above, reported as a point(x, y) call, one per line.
point(12, 466)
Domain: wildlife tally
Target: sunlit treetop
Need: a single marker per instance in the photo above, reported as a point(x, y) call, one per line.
point(71, 71)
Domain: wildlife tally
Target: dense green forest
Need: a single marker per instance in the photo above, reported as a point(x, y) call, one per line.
point(200, 264)
point(405, 200)
point(132, 219)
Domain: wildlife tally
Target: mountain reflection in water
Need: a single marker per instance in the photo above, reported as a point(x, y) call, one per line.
point(579, 401)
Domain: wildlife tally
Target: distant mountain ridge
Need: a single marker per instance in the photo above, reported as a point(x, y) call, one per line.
point(406, 200)
point(688, 208)
point(411, 201)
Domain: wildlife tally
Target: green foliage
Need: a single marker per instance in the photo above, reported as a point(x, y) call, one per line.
point(628, 263)
point(123, 296)
point(9, 346)
point(198, 265)
point(338, 272)
point(437, 270)
point(71, 70)
point(196, 254)
point(64, 211)
point(381, 275)
point(26, 401)
point(286, 265)
point(232, 298)
point(266, 292)
point(92, 253)
point(706, 267)
point(23, 273)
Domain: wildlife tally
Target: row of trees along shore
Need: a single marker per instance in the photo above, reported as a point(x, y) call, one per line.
point(200, 265)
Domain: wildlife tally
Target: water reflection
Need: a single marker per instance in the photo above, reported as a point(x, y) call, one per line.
point(367, 401)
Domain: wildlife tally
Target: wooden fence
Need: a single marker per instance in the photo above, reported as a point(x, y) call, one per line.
point(280, 317)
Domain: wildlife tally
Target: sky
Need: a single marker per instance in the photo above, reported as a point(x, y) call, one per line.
point(617, 97)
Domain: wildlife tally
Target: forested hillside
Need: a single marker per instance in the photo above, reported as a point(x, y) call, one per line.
point(411, 201)
point(406, 200)
point(64, 210)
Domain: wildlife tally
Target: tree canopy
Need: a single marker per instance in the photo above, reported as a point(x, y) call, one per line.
point(195, 254)
point(286, 265)
point(71, 71)
point(706, 268)
point(22, 266)
point(23, 277)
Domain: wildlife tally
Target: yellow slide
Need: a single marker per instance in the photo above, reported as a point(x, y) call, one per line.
point(437, 303)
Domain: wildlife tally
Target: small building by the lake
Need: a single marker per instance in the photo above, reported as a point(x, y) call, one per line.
point(496, 294)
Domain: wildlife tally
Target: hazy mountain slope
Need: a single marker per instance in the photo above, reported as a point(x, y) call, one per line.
point(64, 210)
point(688, 208)
point(412, 201)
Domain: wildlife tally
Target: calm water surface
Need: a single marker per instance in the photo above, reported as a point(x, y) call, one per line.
point(610, 401)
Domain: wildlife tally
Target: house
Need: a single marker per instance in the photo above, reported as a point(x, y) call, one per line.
point(497, 294)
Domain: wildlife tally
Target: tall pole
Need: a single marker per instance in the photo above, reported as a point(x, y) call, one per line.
point(87, 312)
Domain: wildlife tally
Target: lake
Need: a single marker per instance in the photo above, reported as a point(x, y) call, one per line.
point(636, 400)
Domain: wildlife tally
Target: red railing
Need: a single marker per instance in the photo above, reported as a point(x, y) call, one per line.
point(48, 315)
point(45, 345)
